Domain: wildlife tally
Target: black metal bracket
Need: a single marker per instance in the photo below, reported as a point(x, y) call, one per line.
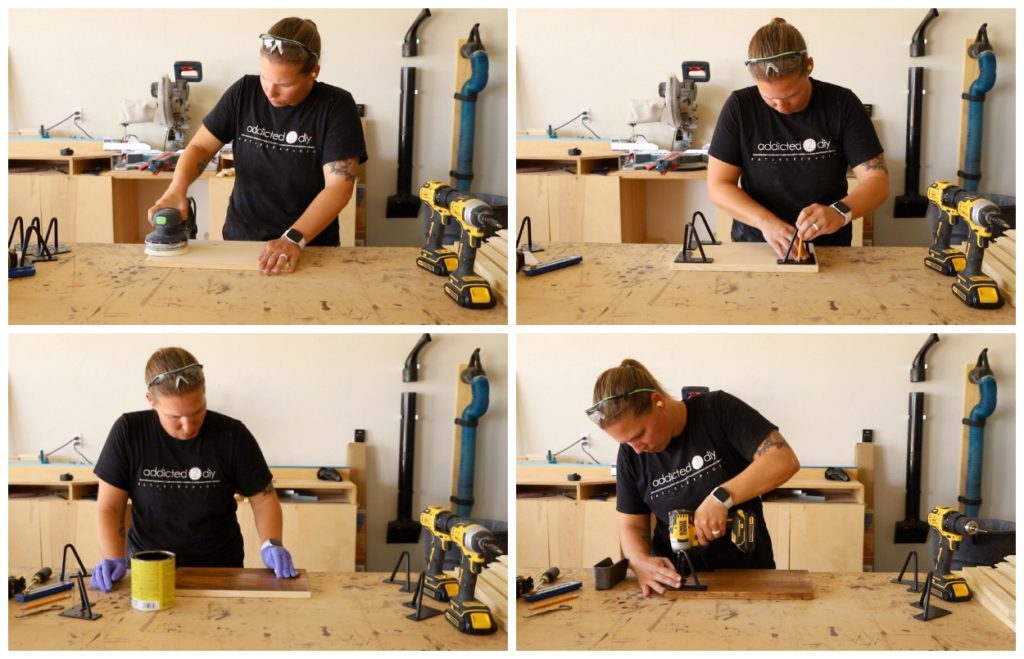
point(810, 260)
point(928, 612)
point(692, 241)
point(407, 586)
point(421, 612)
point(529, 246)
point(696, 585)
point(916, 586)
point(84, 609)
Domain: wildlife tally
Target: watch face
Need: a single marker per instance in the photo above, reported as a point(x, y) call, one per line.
point(294, 235)
point(720, 494)
point(841, 207)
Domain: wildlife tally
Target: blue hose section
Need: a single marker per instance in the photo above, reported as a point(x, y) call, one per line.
point(481, 389)
point(467, 118)
point(975, 444)
point(975, 114)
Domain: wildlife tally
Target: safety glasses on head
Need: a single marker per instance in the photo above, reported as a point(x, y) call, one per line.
point(162, 376)
point(595, 412)
point(272, 42)
point(791, 53)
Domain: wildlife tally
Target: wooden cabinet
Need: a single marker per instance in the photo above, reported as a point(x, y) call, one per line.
point(44, 514)
point(817, 524)
point(565, 523)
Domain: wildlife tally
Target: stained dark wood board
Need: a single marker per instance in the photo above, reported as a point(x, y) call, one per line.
point(751, 585)
point(238, 582)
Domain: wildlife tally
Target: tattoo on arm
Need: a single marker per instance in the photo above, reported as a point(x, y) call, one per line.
point(345, 168)
point(120, 529)
point(200, 166)
point(878, 162)
point(774, 440)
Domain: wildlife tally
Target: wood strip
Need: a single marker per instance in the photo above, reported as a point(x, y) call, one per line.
point(1002, 580)
point(463, 397)
point(1009, 571)
point(986, 601)
point(1003, 256)
point(751, 584)
point(1012, 560)
point(238, 582)
point(742, 257)
point(213, 255)
point(981, 582)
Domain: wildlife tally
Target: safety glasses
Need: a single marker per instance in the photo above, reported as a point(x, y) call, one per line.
point(163, 376)
point(595, 412)
point(272, 42)
point(770, 58)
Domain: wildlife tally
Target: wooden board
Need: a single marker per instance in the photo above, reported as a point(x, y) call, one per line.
point(238, 582)
point(751, 585)
point(213, 255)
point(742, 257)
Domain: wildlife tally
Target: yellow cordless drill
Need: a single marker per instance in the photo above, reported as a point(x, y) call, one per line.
point(941, 257)
point(952, 526)
point(478, 548)
point(478, 224)
point(683, 537)
point(434, 256)
point(436, 582)
point(985, 221)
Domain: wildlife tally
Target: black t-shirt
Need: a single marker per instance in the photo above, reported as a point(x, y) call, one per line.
point(280, 153)
point(182, 491)
point(792, 161)
point(719, 440)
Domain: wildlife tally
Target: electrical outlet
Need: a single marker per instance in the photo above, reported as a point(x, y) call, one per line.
point(77, 111)
point(79, 442)
point(585, 112)
point(584, 439)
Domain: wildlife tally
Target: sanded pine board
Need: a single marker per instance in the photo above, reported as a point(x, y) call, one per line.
point(463, 397)
point(1008, 570)
point(492, 590)
point(238, 582)
point(212, 255)
point(980, 580)
point(1004, 580)
point(1003, 255)
point(751, 584)
point(743, 257)
point(495, 276)
point(999, 275)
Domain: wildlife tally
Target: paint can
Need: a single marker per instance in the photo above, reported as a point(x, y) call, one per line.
point(153, 580)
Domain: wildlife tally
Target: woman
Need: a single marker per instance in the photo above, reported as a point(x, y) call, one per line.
point(297, 143)
point(181, 465)
point(707, 454)
point(793, 138)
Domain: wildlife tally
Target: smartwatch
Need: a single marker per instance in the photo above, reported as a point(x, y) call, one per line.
point(722, 496)
point(843, 210)
point(295, 236)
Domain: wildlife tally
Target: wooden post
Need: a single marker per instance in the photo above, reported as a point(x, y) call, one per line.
point(463, 397)
point(971, 398)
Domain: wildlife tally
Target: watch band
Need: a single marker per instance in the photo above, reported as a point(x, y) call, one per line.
point(843, 210)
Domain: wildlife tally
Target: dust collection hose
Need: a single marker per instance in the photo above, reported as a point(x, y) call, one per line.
point(918, 370)
point(980, 50)
point(476, 378)
point(411, 38)
point(480, 65)
point(917, 42)
point(412, 367)
point(986, 381)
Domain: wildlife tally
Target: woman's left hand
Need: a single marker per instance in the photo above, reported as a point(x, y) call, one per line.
point(817, 220)
point(279, 255)
point(710, 520)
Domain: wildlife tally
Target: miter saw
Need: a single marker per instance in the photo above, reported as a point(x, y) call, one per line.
point(170, 108)
point(681, 102)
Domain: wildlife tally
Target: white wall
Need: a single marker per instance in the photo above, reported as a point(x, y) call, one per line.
point(59, 59)
point(570, 59)
point(301, 395)
point(820, 389)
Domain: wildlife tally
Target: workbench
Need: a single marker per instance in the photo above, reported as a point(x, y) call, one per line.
point(850, 611)
point(348, 611)
point(108, 284)
point(633, 284)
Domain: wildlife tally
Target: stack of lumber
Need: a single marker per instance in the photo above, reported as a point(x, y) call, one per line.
point(492, 264)
point(995, 588)
point(492, 589)
point(1000, 263)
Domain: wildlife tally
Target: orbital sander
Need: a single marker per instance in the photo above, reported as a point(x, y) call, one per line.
point(171, 234)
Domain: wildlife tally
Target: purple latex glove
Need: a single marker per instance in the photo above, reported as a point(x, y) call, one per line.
point(279, 560)
point(107, 572)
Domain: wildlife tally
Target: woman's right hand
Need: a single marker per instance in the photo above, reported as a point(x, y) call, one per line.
point(170, 199)
point(655, 573)
point(778, 234)
point(107, 572)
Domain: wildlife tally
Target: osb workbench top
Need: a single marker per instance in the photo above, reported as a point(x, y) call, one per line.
point(850, 611)
point(633, 284)
point(352, 611)
point(108, 284)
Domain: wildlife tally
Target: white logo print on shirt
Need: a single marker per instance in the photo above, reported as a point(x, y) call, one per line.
point(698, 467)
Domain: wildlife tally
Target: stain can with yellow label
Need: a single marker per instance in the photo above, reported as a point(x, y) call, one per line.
point(153, 580)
